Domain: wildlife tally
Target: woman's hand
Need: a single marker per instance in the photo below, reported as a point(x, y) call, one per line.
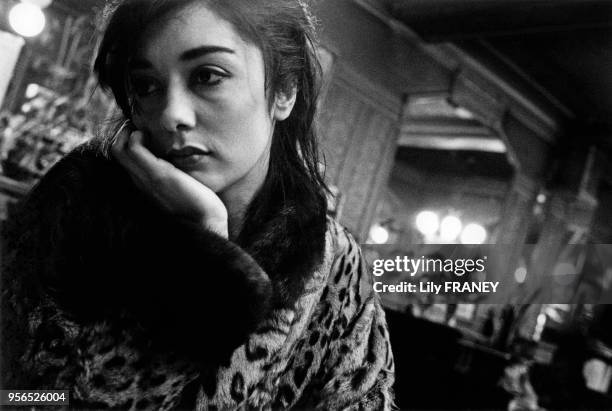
point(174, 190)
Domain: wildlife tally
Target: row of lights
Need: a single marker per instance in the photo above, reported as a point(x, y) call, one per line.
point(27, 17)
point(449, 228)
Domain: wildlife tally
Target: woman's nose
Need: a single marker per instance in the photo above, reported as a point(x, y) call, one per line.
point(178, 113)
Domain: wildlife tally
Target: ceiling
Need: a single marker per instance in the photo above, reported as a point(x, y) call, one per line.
point(563, 48)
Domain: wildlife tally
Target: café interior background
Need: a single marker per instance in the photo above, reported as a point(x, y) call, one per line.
point(442, 121)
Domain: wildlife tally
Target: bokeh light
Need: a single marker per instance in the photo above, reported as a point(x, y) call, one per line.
point(520, 275)
point(379, 234)
point(450, 228)
point(427, 222)
point(27, 19)
point(473, 234)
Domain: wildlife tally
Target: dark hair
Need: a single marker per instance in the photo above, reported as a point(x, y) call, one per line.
point(284, 32)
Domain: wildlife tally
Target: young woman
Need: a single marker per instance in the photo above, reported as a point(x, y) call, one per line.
point(188, 262)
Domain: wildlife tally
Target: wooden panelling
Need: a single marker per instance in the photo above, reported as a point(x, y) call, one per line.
point(359, 129)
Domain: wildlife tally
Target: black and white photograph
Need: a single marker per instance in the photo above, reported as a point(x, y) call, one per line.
point(306, 205)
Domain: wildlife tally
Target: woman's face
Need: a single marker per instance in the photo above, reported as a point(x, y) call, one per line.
point(201, 100)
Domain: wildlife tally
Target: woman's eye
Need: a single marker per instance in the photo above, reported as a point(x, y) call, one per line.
point(143, 86)
point(208, 77)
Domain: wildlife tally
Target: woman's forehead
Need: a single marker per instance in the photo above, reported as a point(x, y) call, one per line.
point(193, 27)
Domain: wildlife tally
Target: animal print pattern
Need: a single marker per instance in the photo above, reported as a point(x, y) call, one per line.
point(329, 351)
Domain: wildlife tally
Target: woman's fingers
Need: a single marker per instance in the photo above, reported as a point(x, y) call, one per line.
point(140, 154)
point(174, 190)
point(143, 166)
point(119, 150)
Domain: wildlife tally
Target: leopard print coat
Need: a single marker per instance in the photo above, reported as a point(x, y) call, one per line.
point(178, 318)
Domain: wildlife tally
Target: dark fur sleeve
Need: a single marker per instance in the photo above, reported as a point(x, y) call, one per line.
point(87, 248)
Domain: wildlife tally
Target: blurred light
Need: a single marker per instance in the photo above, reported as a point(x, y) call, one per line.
point(25, 108)
point(554, 312)
point(450, 228)
point(520, 275)
point(27, 19)
point(463, 113)
point(473, 234)
point(541, 198)
point(597, 375)
point(379, 234)
point(32, 90)
point(539, 328)
point(427, 222)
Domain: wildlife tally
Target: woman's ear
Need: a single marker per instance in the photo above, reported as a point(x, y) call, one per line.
point(283, 103)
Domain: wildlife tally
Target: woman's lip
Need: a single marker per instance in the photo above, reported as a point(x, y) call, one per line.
point(188, 157)
point(187, 151)
point(189, 161)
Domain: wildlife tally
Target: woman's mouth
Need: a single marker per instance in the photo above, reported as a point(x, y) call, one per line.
point(188, 157)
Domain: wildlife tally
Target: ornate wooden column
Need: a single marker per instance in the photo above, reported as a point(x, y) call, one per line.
point(569, 213)
point(528, 133)
point(529, 152)
point(517, 211)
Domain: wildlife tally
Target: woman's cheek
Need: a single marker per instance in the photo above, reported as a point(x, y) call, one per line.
point(143, 123)
point(139, 122)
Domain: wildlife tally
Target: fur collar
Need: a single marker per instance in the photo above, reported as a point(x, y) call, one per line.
point(287, 238)
point(86, 234)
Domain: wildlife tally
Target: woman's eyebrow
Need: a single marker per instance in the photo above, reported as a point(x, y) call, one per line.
point(142, 64)
point(203, 50)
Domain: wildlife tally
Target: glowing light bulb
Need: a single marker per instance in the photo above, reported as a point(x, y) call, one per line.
point(427, 222)
point(450, 228)
point(464, 113)
point(379, 234)
point(473, 234)
point(27, 19)
point(32, 90)
point(520, 275)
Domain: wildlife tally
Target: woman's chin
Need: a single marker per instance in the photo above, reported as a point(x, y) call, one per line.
point(213, 181)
